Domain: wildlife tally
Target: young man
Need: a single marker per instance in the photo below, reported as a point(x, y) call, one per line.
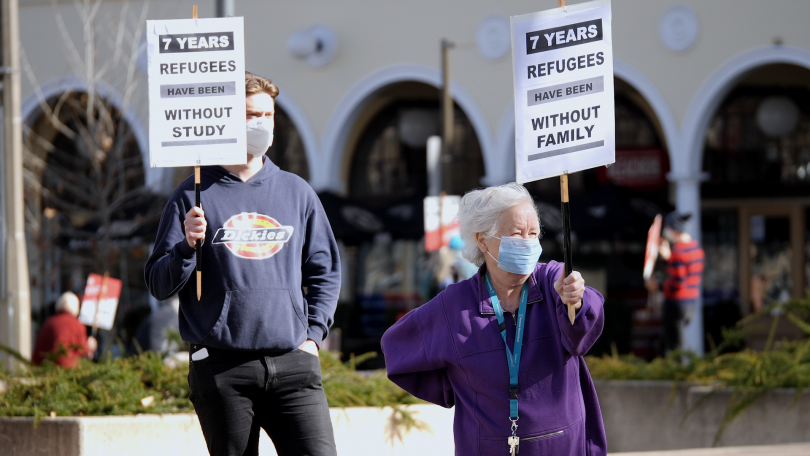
point(684, 277)
point(254, 335)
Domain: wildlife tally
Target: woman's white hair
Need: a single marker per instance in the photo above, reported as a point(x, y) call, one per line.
point(68, 302)
point(480, 211)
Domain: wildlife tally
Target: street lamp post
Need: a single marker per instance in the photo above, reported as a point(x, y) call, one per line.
point(448, 120)
point(225, 8)
point(15, 314)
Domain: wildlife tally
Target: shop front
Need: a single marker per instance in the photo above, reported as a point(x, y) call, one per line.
point(755, 199)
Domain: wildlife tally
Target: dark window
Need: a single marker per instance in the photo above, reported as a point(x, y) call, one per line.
point(742, 161)
point(390, 159)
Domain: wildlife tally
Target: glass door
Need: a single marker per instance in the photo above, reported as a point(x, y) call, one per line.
point(772, 255)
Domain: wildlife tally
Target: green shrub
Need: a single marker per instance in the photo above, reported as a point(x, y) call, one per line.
point(345, 387)
point(111, 387)
point(117, 386)
point(779, 365)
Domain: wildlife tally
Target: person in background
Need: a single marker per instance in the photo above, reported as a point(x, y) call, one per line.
point(682, 287)
point(451, 266)
point(462, 268)
point(152, 334)
point(63, 338)
point(451, 350)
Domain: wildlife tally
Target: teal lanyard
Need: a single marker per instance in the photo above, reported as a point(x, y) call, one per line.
point(513, 360)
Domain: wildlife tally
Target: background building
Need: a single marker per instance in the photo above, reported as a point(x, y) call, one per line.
point(713, 117)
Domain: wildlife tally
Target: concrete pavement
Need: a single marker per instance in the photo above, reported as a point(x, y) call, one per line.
point(802, 449)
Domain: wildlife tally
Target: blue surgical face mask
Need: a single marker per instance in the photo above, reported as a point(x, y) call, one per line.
point(518, 255)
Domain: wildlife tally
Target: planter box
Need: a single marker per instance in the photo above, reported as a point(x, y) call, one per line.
point(646, 415)
point(638, 415)
point(358, 431)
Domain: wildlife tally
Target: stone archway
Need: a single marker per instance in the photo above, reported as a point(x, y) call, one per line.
point(331, 175)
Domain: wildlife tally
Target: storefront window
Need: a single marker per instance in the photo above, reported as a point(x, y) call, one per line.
point(720, 244)
point(612, 209)
point(743, 160)
point(87, 209)
point(756, 154)
point(391, 157)
point(379, 224)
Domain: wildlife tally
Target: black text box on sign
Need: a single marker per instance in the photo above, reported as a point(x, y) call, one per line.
point(196, 42)
point(565, 36)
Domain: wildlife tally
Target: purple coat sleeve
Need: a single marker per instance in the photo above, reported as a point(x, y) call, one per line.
point(579, 337)
point(416, 350)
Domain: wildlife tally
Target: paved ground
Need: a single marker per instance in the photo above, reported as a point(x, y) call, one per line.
point(802, 449)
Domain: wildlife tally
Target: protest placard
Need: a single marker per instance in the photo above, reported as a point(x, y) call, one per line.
point(651, 252)
point(563, 82)
point(564, 112)
point(196, 92)
point(440, 220)
point(95, 313)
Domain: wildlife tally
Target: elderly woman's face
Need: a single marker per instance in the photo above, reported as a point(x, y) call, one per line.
point(518, 221)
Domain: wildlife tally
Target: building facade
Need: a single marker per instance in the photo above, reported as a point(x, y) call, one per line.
point(697, 83)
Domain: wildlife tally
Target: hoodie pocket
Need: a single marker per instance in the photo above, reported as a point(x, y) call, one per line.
point(269, 319)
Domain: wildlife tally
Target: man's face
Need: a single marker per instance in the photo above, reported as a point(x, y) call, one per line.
point(260, 105)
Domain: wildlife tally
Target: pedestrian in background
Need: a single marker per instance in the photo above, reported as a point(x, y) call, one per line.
point(539, 398)
point(269, 291)
point(682, 287)
point(153, 332)
point(63, 338)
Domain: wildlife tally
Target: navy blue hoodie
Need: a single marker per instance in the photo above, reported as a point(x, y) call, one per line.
point(268, 240)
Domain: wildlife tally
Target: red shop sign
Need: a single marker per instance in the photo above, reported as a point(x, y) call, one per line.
point(637, 168)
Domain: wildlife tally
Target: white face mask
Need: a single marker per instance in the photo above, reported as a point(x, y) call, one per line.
point(259, 136)
point(518, 255)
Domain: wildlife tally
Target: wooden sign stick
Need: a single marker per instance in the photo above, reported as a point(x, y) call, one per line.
point(566, 224)
point(198, 204)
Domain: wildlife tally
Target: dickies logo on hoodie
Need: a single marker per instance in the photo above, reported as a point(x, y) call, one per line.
point(253, 236)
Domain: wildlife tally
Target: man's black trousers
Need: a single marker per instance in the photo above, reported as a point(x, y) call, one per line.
point(237, 393)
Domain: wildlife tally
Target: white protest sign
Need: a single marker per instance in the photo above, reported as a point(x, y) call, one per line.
point(196, 92)
point(441, 223)
point(563, 72)
point(103, 315)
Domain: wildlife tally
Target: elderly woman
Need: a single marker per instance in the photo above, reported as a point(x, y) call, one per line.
point(519, 382)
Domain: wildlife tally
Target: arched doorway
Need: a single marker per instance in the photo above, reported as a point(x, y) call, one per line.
point(755, 201)
point(389, 147)
point(379, 219)
point(87, 206)
point(612, 209)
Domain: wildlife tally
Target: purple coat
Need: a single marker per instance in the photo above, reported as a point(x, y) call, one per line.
point(450, 352)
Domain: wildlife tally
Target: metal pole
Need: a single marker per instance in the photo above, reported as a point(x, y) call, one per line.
point(3, 236)
point(16, 319)
point(448, 122)
point(225, 8)
point(434, 165)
